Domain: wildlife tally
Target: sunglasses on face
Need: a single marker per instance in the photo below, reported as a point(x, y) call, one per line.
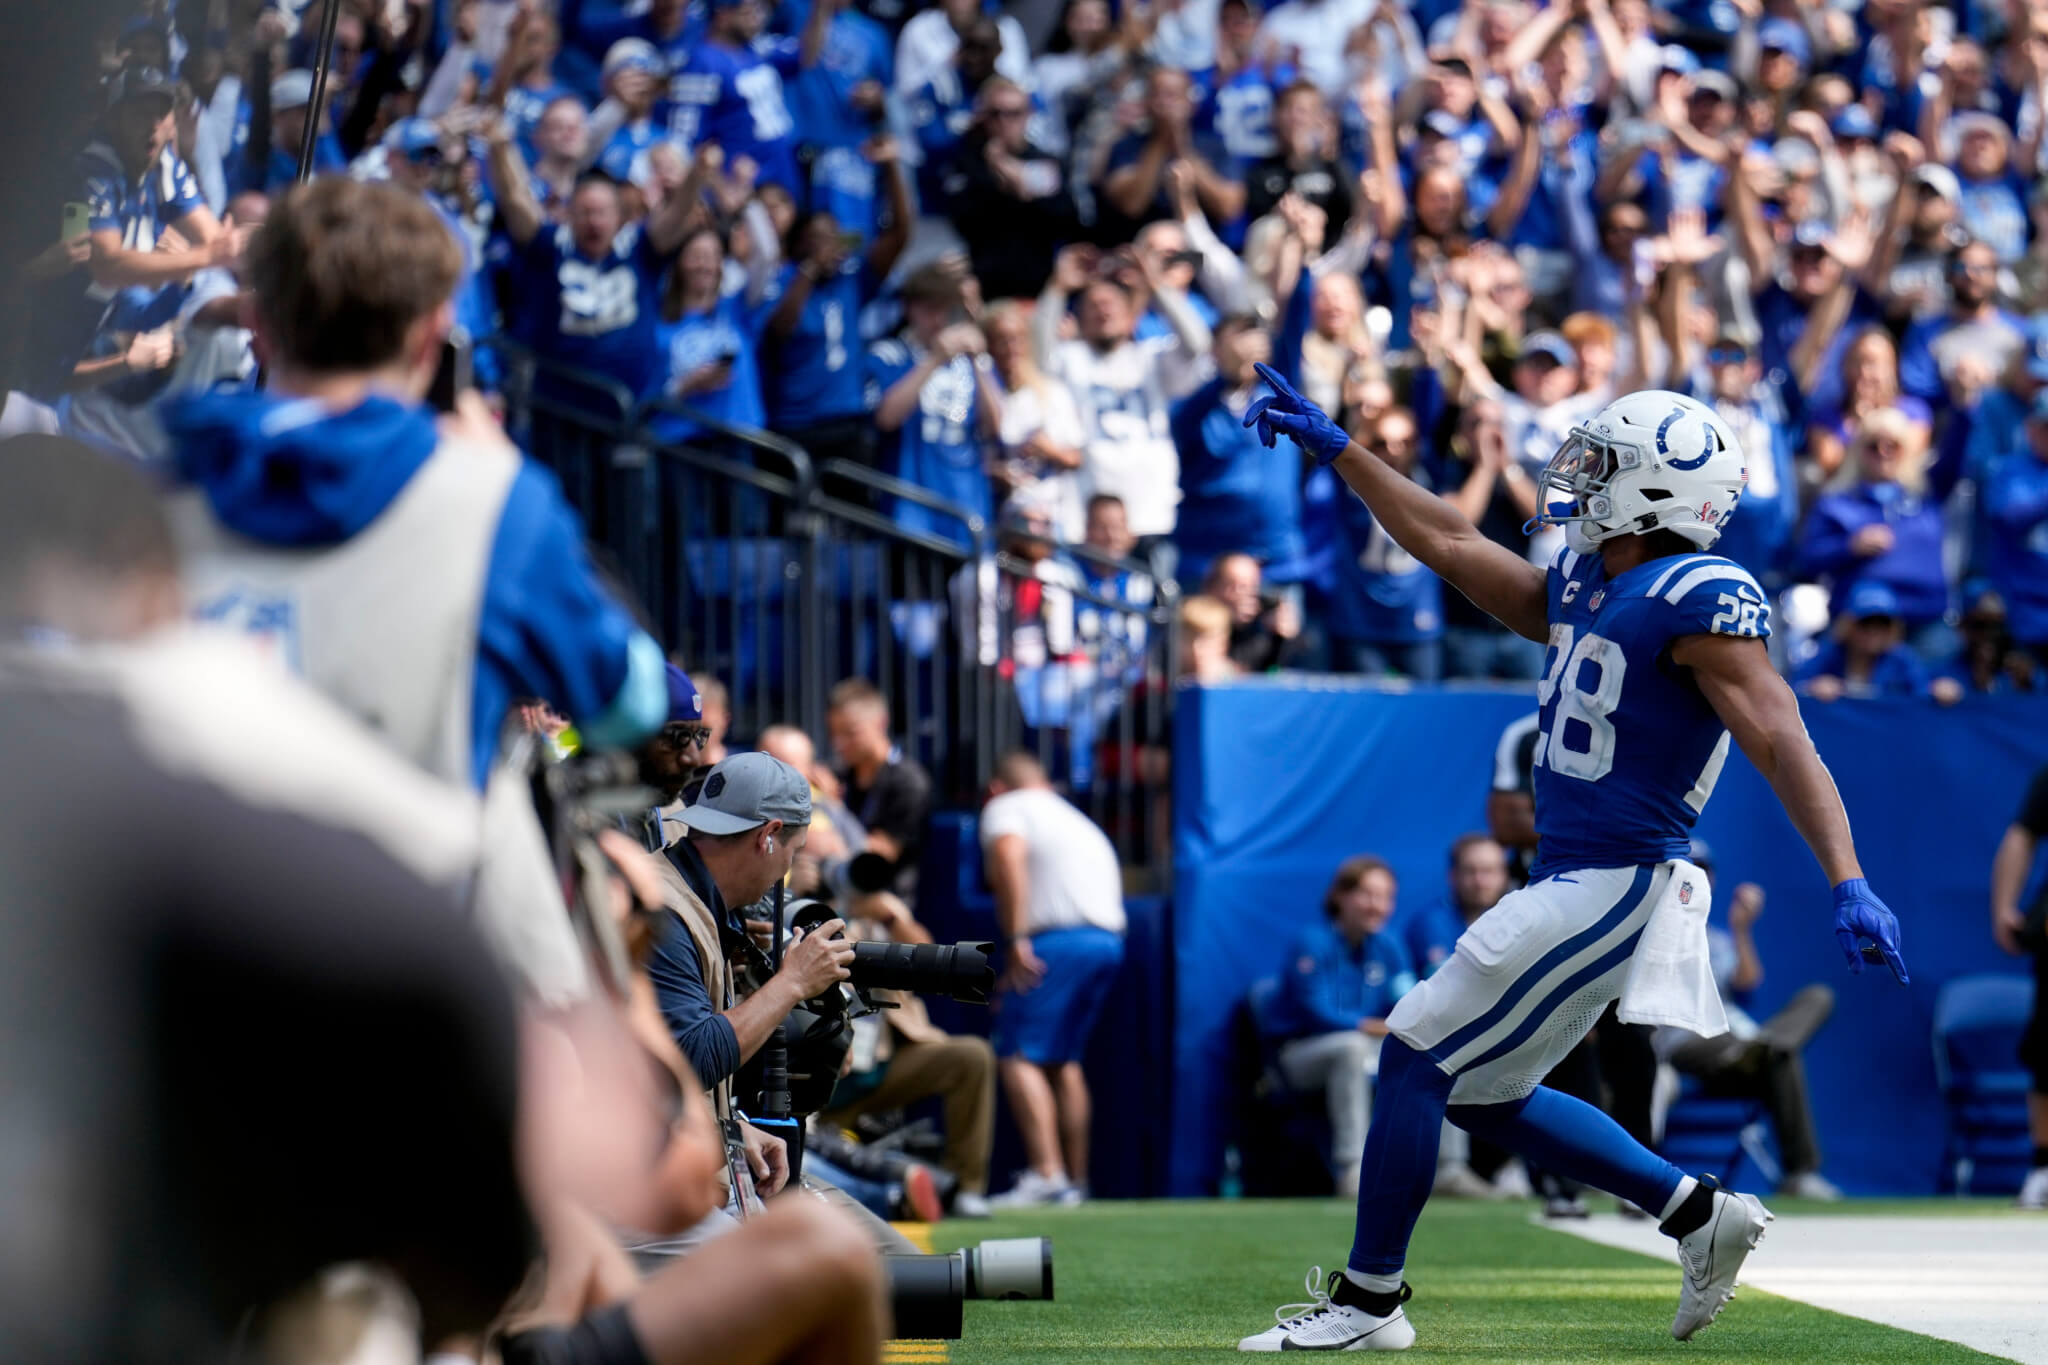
point(686, 734)
point(1876, 622)
point(1727, 355)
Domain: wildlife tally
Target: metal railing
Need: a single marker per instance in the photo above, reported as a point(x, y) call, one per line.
point(779, 576)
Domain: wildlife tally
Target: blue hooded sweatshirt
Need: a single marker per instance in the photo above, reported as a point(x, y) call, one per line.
point(310, 478)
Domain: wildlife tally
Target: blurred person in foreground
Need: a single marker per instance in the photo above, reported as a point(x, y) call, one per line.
point(1060, 907)
point(795, 1282)
point(1339, 982)
point(2023, 932)
point(1759, 1061)
point(160, 1194)
point(413, 567)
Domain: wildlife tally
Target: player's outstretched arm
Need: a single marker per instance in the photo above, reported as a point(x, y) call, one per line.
point(1500, 582)
point(1735, 675)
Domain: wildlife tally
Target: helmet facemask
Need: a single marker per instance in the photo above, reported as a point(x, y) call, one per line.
point(1575, 490)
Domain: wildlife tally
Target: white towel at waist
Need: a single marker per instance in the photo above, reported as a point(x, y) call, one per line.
point(1670, 980)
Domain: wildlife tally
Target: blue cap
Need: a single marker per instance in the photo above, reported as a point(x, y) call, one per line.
point(1870, 598)
point(1786, 36)
point(413, 138)
point(1548, 344)
point(139, 83)
point(1679, 59)
point(685, 702)
point(1855, 122)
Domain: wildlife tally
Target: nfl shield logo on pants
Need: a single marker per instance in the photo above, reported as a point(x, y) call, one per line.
point(1685, 893)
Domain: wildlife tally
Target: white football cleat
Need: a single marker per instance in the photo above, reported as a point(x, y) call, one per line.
point(2034, 1194)
point(1324, 1325)
point(1711, 1255)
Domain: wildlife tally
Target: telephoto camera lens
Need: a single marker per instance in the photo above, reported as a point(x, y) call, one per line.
point(1011, 1268)
point(958, 970)
point(927, 1294)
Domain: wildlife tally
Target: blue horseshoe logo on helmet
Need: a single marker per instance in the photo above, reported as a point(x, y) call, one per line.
point(1706, 451)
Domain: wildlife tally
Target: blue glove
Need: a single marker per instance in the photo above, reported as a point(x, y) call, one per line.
point(1286, 413)
point(1860, 914)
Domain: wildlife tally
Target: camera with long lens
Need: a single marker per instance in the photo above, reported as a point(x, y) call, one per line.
point(960, 971)
point(928, 1294)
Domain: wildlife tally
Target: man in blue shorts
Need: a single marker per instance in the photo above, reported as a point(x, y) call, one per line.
point(1655, 658)
point(1060, 907)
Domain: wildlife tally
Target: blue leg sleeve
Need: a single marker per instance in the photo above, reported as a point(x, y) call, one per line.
point(1566, 1135)
point(1400, 1157)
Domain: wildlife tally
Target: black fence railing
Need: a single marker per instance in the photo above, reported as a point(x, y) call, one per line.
point(779, 576)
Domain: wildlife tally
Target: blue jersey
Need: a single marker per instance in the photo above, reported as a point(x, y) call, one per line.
point(1430, 934)
point(524, 105)
point(1329, 985)
point(699, 339)
point(856, 49)
point(844, 184)
point(1628, 750)
point(938, 447)
point(595, 314)
point(814, 375)
point(2016, 506)
point(733, 97)
point(1381, 593)
point(624, 155)
point(1237, 113)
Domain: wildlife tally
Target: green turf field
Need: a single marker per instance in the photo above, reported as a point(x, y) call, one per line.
point(1183, 1281)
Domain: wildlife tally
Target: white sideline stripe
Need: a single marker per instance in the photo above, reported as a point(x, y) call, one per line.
point(1980, 1282)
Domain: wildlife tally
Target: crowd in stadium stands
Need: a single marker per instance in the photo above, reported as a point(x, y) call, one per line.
point(1025, 256)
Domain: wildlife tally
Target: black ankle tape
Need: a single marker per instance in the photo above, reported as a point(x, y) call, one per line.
point(1375, 1302)
point(1694, 1212)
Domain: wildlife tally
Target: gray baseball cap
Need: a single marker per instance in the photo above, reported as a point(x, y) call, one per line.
point(746, 791)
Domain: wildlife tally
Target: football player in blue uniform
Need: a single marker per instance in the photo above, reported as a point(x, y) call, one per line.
point(1655, 658)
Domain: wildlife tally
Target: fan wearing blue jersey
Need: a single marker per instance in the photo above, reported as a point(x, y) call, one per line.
point(810, 335)
point(133, 186)
point(730, 92)
point(1655, 660)
point(707, 344)
point(524, 83)
point(935, 403)
point(591, 290)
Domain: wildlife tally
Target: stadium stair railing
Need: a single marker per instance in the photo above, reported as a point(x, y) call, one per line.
point(779, 575)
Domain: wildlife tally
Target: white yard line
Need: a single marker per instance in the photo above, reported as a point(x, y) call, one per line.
point(1981, 1282)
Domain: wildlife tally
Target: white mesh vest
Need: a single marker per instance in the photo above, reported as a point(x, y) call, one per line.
point(385, 622)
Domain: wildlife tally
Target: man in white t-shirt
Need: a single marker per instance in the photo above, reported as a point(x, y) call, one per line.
point(1060, 907)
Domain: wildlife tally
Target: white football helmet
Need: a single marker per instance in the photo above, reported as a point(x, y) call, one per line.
point(1646, 461)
